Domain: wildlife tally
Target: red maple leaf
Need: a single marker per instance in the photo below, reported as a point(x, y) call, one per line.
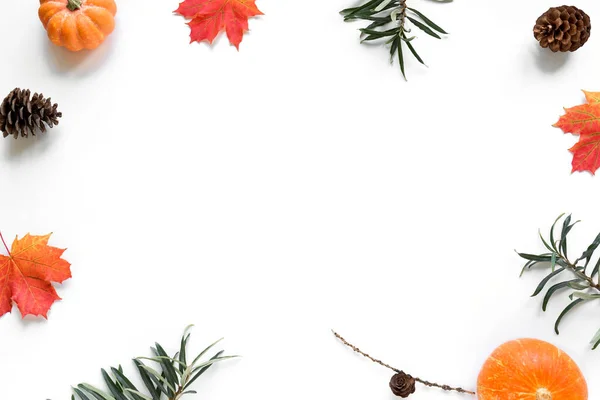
point(579, 119)
point(584, 120)
point(26, 273)
point(586, 153)
point(209, 17)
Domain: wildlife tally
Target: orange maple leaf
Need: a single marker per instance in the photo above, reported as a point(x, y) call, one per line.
point(586, 153)
point(209, 17)
point(26, 273)
point(580, 118)
point(592, 97)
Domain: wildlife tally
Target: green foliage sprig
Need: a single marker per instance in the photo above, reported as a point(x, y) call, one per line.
point(171, 382)
point(582, 281)
point(388, 21)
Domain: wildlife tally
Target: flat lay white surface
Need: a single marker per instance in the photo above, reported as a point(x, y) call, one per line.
point(299, 185)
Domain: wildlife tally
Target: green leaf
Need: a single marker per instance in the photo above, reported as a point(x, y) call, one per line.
point(81, 395)
point(112, 387)
point(596, 340)
point(596, 269)
point(428, 21)
point(203, 352)
point(547, 257)
point(167, 366)
point(587, 255)
point(95, 392)
point(553, 289)
point(159, 380)
point(203, 369)
point(565, 311)
point(138, 395)
point(424, 28)
point(553, 242)
point(585, 296)
point(367, 5)
point(545, 243)
point(545, 281)
point(154, 390)
point(579, 284)
point(401, 59)
point(413, 51)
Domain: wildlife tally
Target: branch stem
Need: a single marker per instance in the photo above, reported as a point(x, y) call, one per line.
point(5, 246)
point(421, 381)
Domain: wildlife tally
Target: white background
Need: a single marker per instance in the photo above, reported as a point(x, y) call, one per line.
point(296, 186)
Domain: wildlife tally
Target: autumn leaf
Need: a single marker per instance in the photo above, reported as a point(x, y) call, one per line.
point(210, 17)
point(578, 119)
point(586, 153)
point(592, 97)
point(26, 274)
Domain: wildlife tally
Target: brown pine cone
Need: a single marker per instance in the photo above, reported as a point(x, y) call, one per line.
point(21, 114)
point(564, 28)
point(402, 384)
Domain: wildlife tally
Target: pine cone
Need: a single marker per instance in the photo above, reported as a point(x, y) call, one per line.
point(22, 114)
point(402, 384)
point(564, 28)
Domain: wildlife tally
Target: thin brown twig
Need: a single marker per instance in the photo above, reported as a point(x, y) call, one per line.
point(421, 381)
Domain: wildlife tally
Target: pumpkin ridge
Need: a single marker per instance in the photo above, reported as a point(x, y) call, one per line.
point(63, 14)
point(92, 17)
point(93, 24)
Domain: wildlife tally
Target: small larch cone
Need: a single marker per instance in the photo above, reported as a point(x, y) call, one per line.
point(21, 114)
point(402, 384)
point(564, 28)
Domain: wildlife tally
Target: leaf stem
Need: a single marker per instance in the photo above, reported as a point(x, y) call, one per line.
point(5, 246)
point(421, 381)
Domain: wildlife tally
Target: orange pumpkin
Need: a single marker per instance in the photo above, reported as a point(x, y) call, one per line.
point(530, 369)
point(78, 24)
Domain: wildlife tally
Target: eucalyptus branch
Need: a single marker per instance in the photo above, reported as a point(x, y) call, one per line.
point(583, 285)
point(171, 382)
point(387, 21)
point(397, 371)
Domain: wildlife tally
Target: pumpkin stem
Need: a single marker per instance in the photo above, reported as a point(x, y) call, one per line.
point(543, 394)
point(73, 5)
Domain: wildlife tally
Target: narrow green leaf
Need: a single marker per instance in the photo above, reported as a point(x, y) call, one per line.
point(394, 48)
point(424, 28)
point(203, 369)
point(428, 21)
point(545, 281)
point(154, 390)
point(553, 289)
point(95, 392)
point(414, 52)
point(579, 284)
point(553, 242)
point(167, 366)
point(585, 296)
point(112, 386)
point(596, 340)
point(589, 252)
point(401, 59)
point(547, 257)
point(565, 311)
point(138, 395)
point(81, 395)
point(199, 356)
point(545, 243)
point(596, 269)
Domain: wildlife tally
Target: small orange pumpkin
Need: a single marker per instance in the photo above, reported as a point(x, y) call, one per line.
point(78, 24)
point(530, 369)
